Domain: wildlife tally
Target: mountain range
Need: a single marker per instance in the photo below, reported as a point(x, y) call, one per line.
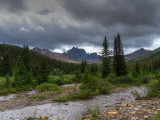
point(73, 55)
point(77, 55)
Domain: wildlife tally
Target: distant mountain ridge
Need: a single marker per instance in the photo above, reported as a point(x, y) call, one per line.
point(51, 54)
point(153, 54)
point(77, 53)
point(138, 53)
point(73, 55)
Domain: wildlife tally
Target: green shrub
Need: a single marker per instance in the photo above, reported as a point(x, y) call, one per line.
point(121, 79)
point(153, 88)
point(94, 111)
point(104, 86)
point(145, 79)
point(41, 96)
point(157, 117)
point(10, 90)
point(46, 87)
point(86, 94)
point(61, 99)
point(61, 80)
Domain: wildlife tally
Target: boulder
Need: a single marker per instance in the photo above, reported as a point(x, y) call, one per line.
point(112, 113)
point(44, 117)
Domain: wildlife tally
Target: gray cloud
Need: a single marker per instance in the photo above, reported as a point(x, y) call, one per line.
point(44, 12)
point(13, 5)
point(55, 23)
point(111, 12)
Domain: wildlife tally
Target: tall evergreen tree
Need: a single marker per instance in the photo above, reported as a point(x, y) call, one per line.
point(93, 68)
point(119, 63)
point(44, 71)
point(23, 74)
point(83, 66)
point(137, 69)
point(105, 59)
point(6, 64)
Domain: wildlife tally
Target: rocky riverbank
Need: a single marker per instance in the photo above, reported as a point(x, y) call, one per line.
point(19, 109)
point(19, 100)
point(136, 110)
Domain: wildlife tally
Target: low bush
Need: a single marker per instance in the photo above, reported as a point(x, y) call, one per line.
point(94, 111)
point(145, 79)
point(157, 117)
point(5, 91)
point(127, 79)
point(153, 88)
point(46, 87)
point(61, 80)
point(104, 86)
point(61, 99)
point(92, 85)
point(41, 96)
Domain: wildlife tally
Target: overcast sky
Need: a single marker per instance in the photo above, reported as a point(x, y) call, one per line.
point(61, 24)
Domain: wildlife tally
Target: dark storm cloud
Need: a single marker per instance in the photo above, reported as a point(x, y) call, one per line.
point(13, 5)
point(111, 12)
point(136, 20)
point(55, 23)
point(44, 12)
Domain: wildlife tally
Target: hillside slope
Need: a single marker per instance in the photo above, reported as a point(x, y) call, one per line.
point(53, 55)
point(14, 51)
point(151, 55)
point(138, 53)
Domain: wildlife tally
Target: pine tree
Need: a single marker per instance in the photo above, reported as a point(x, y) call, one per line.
point(137, 68)
point(36, 72)
point(93, 68)
point(6, 65)
point(119, 64)
point(44, 71)
point(23, 74)
point(115, 56)
point(105, 59)
point(83, 66)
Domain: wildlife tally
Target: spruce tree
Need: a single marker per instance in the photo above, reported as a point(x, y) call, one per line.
point(105, 59)
point(44, 71)
point(6, 64)
point(137, 69)
point(115, 56)
point(23, 74)
point(83, 66)
point(119, 63)
point(93, 68)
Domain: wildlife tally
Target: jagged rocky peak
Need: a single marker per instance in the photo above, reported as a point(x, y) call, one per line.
point(79, 53)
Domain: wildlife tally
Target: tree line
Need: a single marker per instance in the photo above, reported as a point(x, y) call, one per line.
point(30, 68)
point(113, 62)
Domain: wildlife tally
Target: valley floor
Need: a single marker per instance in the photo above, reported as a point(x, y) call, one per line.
point(120, 104)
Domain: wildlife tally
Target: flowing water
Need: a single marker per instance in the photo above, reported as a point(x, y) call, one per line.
point(12, 96)
point(74, 109)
